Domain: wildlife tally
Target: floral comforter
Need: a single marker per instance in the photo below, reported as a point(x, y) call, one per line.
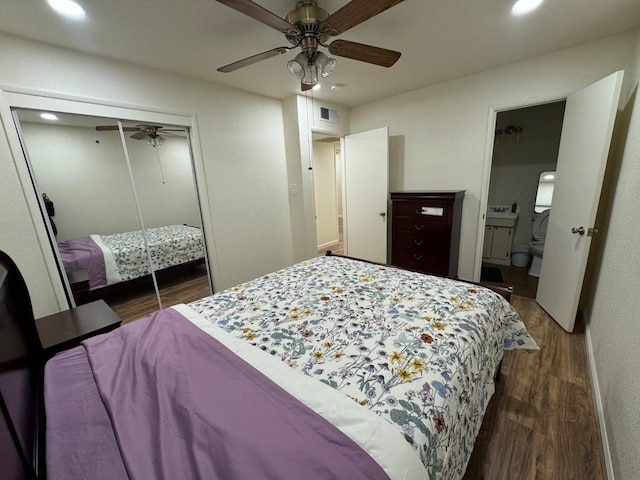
point(418, 350)
point(169, 246)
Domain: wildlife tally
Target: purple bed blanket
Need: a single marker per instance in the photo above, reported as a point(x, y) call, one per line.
point(82, 253)
point(184, 406)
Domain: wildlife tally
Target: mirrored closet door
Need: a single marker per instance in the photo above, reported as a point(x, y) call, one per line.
point(161, 165)
point(122, 208)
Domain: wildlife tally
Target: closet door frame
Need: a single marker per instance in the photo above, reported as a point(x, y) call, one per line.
point(16, 99)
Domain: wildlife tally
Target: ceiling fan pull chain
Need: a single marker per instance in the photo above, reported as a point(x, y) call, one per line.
point(156, 148)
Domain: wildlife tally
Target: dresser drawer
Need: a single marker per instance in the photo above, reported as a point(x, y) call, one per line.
point(419, 259)
point(428, 229)
point(426, 209)
point(427, 240)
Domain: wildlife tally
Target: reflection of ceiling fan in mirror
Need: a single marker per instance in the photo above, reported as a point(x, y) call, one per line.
point(308, 27)
point(149, 133)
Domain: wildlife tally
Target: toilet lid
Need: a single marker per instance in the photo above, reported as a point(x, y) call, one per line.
point(539, 227)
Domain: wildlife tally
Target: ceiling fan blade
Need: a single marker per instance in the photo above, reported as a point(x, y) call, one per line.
point(254, 59)
point(354, 13)
point(140, 135)
point(108, 128)
point(364, 53)
point(259, 13)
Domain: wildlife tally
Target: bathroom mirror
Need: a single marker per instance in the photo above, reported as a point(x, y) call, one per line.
point(122, 208)
point(544, 194)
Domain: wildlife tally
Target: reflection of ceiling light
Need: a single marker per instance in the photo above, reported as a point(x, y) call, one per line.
point(548, 177)
point(522, 7)
point(68, 8)
point(48, 116)
point(155, 140)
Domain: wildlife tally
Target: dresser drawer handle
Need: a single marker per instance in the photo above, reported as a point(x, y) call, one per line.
point(419, 211)
point(418, 227)
point(417, 257)
point(418, 242)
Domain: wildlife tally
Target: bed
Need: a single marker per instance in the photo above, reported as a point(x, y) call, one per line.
point(98, 261)
point(331, 368)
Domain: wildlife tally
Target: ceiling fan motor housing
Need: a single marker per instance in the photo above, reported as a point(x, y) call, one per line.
point(307, 17)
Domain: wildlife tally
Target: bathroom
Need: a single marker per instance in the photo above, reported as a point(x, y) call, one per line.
point(522, 174)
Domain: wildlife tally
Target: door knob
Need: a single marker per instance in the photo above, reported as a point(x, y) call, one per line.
point(383, 214)
point(578, 230)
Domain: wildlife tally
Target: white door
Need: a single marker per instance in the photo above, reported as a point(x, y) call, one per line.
point(584, 147)
point(366, 183)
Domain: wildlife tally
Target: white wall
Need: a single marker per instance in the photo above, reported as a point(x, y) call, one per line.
point(241, 144)
point(441, 132)
point(611, 301)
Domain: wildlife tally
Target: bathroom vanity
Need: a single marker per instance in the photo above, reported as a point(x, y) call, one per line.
point(500, 227)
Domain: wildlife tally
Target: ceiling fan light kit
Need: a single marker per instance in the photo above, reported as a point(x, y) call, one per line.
point(309, 27)
point(154, 141)
point(325, 64)
point(150, 134)
point(296, 66)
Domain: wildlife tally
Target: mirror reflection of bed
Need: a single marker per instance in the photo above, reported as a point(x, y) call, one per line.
point(106, 192)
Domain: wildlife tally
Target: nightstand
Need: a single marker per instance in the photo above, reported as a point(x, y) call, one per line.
point(67, 329)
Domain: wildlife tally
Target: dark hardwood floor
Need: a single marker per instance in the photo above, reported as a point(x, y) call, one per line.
point(518, 277)
point(139, 301)
point(540, 423)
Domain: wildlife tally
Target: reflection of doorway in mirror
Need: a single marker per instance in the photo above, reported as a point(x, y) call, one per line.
point(85, 169)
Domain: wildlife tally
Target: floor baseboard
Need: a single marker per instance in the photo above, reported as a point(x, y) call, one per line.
point(597, 400)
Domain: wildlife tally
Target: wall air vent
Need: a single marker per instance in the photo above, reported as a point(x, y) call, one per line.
point(329, 115)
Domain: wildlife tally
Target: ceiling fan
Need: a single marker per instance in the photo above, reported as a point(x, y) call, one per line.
point(309, 27)
point(149, 133)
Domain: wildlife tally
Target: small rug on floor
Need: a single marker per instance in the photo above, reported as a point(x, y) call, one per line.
point(491, 274)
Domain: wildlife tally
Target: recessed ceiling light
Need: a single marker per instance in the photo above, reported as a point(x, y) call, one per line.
point(549, 177)
point(522, 7)
point(337, 86)
point(48, 116)
point(68, 8)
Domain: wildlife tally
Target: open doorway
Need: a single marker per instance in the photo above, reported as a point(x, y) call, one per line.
point(328, 193)
point(526, 144)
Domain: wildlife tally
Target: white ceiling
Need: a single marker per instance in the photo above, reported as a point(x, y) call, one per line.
point(439, 39)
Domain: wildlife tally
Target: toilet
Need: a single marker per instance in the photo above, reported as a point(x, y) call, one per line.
point(538, 233)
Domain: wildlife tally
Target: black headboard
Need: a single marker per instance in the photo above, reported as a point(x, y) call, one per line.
point(21, 362)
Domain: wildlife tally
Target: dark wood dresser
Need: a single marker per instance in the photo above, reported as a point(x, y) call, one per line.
point(425, 231)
